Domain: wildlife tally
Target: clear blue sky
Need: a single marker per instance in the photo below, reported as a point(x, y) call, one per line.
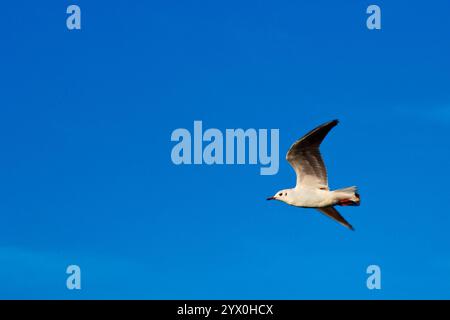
point(86, 176)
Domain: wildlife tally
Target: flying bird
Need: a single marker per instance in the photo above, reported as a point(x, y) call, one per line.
point(311, 190)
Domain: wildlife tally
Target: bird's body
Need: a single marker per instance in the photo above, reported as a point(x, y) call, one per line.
point(312, 198)
point(317, 198)
point(311, 190)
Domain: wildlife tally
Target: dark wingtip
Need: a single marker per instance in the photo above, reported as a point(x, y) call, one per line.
point(331, 123)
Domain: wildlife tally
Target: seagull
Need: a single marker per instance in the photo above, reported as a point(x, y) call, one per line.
point(311, 190)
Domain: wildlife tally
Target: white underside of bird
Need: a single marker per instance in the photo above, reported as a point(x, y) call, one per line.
point(318, 198)
point(311, 190)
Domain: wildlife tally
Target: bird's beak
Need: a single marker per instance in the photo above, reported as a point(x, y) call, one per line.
point(271, 198)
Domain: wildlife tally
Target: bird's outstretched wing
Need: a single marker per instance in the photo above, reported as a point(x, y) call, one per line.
point(334, 214)
point(304, 156)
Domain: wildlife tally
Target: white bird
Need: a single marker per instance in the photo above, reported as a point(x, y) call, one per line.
point(311, 190)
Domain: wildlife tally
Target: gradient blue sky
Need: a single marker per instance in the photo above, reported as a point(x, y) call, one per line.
point(85, 169)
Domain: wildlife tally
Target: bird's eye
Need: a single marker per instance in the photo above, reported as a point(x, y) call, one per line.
point(280, 194)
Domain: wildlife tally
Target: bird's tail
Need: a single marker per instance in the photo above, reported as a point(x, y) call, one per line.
point(348, 196)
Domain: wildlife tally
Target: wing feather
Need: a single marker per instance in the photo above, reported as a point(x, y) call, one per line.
point(304, 156)
point(334, 214)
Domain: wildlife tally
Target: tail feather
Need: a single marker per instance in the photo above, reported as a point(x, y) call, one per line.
point(348, 196)
point(350, 190)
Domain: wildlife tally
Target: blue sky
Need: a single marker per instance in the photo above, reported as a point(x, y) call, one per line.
point(86, 174)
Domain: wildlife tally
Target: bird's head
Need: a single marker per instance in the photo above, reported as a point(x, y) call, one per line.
point(282, 195)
